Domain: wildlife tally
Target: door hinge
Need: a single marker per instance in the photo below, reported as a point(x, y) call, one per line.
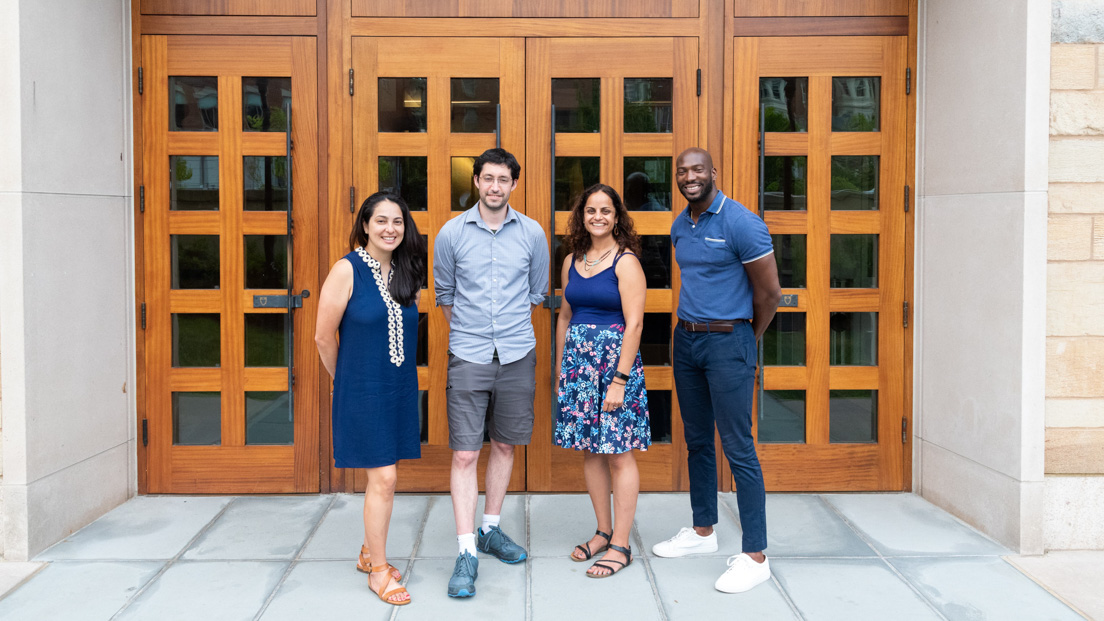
point(145, 432)
point(352, 199)
point(699, 82)
point(141, 81)
point(141, 199)
point(904, 430)
point(350, 81)
point(905, 312)
point(908, 191)
point(143, 315)
point(908, 80)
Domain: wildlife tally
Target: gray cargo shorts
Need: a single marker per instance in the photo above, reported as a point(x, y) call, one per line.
point(498, 396)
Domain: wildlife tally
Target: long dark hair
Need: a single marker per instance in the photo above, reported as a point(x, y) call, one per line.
point(410, 255)
point(578, 240)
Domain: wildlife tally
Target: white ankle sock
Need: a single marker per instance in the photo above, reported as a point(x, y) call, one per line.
point(467, 543)
point(489, 521)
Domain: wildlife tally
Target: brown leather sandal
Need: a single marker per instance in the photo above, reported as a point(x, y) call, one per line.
point(613, 570)
point(585, 548)
point(385, 597)
point(364, 564)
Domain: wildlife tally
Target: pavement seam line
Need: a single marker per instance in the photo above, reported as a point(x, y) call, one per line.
point(157, 576)
point(782, 591)
point(295, 559)
point(430, 501)
point(1045, 587)
point(648, 571)
point(528, 559)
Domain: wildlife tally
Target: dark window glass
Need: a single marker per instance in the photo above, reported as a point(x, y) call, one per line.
point(853, 416)
point(784, 182)
point(265, 182)
point(573, 175)
point(423, 340)
point(854, 262)
point(783, 417)
point(474, 105)
point(784, 340)
point(464, 193)
point(577, 102)
point(263, 103)
point(195, 261)
point(423, 416)
point(648, 105)
point(789, 256)
point(197, 418)
point(856, 104)
point(405, 176)
point(268, 418)
point(854, 182)
point(193, 103)
point(559, 253)
point(786, 103)
point(853, 339)
point(655, 258)
point(425, 261)
point(196, 340)
point(266, 262)
point(655, 339)
point(402, 104)
point(659, 411)
point(193, 183)
point(647, 184)
point(266, 340)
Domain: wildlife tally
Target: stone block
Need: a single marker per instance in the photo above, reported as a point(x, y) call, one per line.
point(1074, 512)
point(1077, 160)
point(1077, 21)
point(1077, 113)
point(1075, 412)
point(1075, 295)
point(1075, 451)
point(1074, 367)
point(1069, 238)
point(1076, 198)
point(1098, 238)
point(1072, 66)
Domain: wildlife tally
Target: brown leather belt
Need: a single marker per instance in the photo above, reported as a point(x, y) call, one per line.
point(712, 326)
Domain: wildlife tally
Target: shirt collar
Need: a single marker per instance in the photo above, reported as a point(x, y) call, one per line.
point(472, 215)
point(714, 207)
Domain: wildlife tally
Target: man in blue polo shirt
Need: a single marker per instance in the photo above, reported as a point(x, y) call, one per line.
point(728, 297)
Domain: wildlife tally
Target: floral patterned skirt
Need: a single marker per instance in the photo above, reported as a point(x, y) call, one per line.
point(590, 358)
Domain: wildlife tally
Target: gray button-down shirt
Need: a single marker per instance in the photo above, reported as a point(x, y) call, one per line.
point(490, 279)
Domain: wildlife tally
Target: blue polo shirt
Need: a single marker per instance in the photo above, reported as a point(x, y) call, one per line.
point(711, 256)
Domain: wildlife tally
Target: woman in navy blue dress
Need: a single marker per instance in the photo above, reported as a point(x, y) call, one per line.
point(603, 407)
point(369, 300)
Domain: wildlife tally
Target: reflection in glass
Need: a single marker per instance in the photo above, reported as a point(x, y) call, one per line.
point(856, 104)
point(655, 258)
point(474, 102)
point(405, 176)
point(783, 417)
point(577, 104)
point(195, 261)
point(852, 416)
point(464, 193)
point(266, 340)
point(559, 253)
point(265, 182)
point(402, 105)
point(573, 175)
point(266, 262)
point(195, 340)
point(648, 105)
point(789, 255)
point(854, 182)
point(197, 418)
point(268, 418)
point(647, 184)
point(425, 261)
point(655, 339)
point(423, 340)
point(784, 340)
point(854, 262)
point(853, 339)
point(423, 415)
point(786, 101)
point(659, 411)
point(784, 182)
point(263, 101)
point(194, 106)
point(193, 183)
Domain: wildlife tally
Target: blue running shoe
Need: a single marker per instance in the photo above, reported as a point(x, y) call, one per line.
point(462, 582)
point(499, 545)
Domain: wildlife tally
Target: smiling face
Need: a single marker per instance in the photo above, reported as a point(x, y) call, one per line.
point(385, 227)
point(494, 183)
point(695, 175)
point(599, 216)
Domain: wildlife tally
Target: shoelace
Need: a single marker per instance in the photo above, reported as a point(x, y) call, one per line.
point(683, 533)
point(735, 558)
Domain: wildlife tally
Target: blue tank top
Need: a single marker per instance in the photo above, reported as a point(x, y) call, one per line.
point(595, 300)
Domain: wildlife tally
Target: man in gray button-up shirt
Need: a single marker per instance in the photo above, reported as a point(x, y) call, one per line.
point(490, 270)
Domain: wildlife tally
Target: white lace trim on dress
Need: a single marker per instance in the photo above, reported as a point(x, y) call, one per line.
point(394, 311)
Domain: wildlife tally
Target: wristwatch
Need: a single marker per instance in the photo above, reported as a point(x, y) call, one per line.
point(620, 375)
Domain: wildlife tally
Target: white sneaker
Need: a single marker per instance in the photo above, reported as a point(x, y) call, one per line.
point(686, 542)
point(743, 574)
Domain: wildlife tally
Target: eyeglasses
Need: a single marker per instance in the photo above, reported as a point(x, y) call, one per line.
point(488, 179)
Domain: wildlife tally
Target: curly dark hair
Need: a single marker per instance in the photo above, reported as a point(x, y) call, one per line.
point(409, 257)
point(578, 239)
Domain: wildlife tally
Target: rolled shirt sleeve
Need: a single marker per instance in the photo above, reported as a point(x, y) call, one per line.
point(538, 269)
point(444, 269)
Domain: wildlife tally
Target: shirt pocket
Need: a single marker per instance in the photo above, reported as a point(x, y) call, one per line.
point(715, 243)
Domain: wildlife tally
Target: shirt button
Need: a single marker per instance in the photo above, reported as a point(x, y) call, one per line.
point(494, 259)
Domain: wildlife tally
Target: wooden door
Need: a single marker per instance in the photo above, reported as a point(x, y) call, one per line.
point(623, 109)
point(831, 411)
point(221, 343)
point(423, 110)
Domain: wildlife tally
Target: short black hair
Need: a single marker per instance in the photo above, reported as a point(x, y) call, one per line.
point(497, 156)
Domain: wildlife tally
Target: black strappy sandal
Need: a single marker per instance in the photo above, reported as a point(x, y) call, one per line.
point(613, 570)
point(585, 548)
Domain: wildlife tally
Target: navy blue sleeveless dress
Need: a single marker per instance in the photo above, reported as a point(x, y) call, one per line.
point(375, 399)
point(592, 349)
